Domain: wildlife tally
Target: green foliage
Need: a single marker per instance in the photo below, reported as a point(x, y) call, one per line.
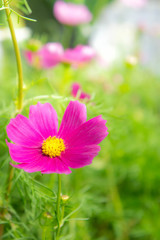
point(21, 5)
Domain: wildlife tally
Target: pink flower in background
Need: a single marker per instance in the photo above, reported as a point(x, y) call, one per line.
point(71, 14)
point(29, 56)
point(78, 55)
point(134, 3)
point(50, 54)
point(77, 91)
point(40, 146)
point(32, 58)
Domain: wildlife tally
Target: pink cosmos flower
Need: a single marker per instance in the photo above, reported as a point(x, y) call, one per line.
point(134, 3)
point(78, 55)
point(40, 146)
point(71, 14)
point(28, 55)
point(48, 56)
point(76, 89)
point(32, 58)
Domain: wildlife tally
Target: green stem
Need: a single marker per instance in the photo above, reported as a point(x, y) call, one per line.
point(20, 100)
point(20, 80)
point(1, 230)
point(58, 206)
point(62, 214)
point(18, 56)
point(8, 189)
point(9, 182)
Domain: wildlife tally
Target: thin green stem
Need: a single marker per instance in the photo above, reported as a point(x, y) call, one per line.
point(62, 214)
point(8, 189)
point(18, 56)
point(58, 206)
point(20, 81)
point(9, 182)
point(1, 230)
point(19, 104)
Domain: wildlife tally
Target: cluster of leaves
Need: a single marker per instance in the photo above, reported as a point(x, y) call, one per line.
point(16, 7)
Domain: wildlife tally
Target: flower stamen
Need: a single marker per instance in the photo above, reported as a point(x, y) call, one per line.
point(53, 146)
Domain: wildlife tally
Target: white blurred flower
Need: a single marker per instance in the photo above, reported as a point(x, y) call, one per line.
point(134, 3)
point(131, 60)
point(22, 34)
point(121, 31)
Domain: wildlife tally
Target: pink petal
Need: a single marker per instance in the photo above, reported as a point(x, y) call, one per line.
point(75, 88)
point(22, 154)
point(50, 54)
point(55, 165)
point(90, 132)
point(32, 160)
point(36, 165)
point(44, 118)
point(78, 55)
point(21, 131)
point(84, 95)
point(80, 156)
point(29, 56)
point(74, 116)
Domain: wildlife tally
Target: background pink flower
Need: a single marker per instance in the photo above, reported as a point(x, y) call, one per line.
point(50, 54)
point(71, 14)
point(32, 58)
point(77, 91)
point(29, 56)
point(78, 55)
point(40, 146)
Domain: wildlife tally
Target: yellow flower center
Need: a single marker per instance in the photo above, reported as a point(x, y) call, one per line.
point(53, 146)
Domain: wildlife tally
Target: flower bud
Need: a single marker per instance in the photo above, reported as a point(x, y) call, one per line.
point(47, 215)
point(64, 198)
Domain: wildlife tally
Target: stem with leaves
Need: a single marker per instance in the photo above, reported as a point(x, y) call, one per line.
point(19, 102)
point(20, 80)
point(18, 56)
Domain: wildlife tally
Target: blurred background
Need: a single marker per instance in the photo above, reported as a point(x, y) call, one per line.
point(118, 196)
